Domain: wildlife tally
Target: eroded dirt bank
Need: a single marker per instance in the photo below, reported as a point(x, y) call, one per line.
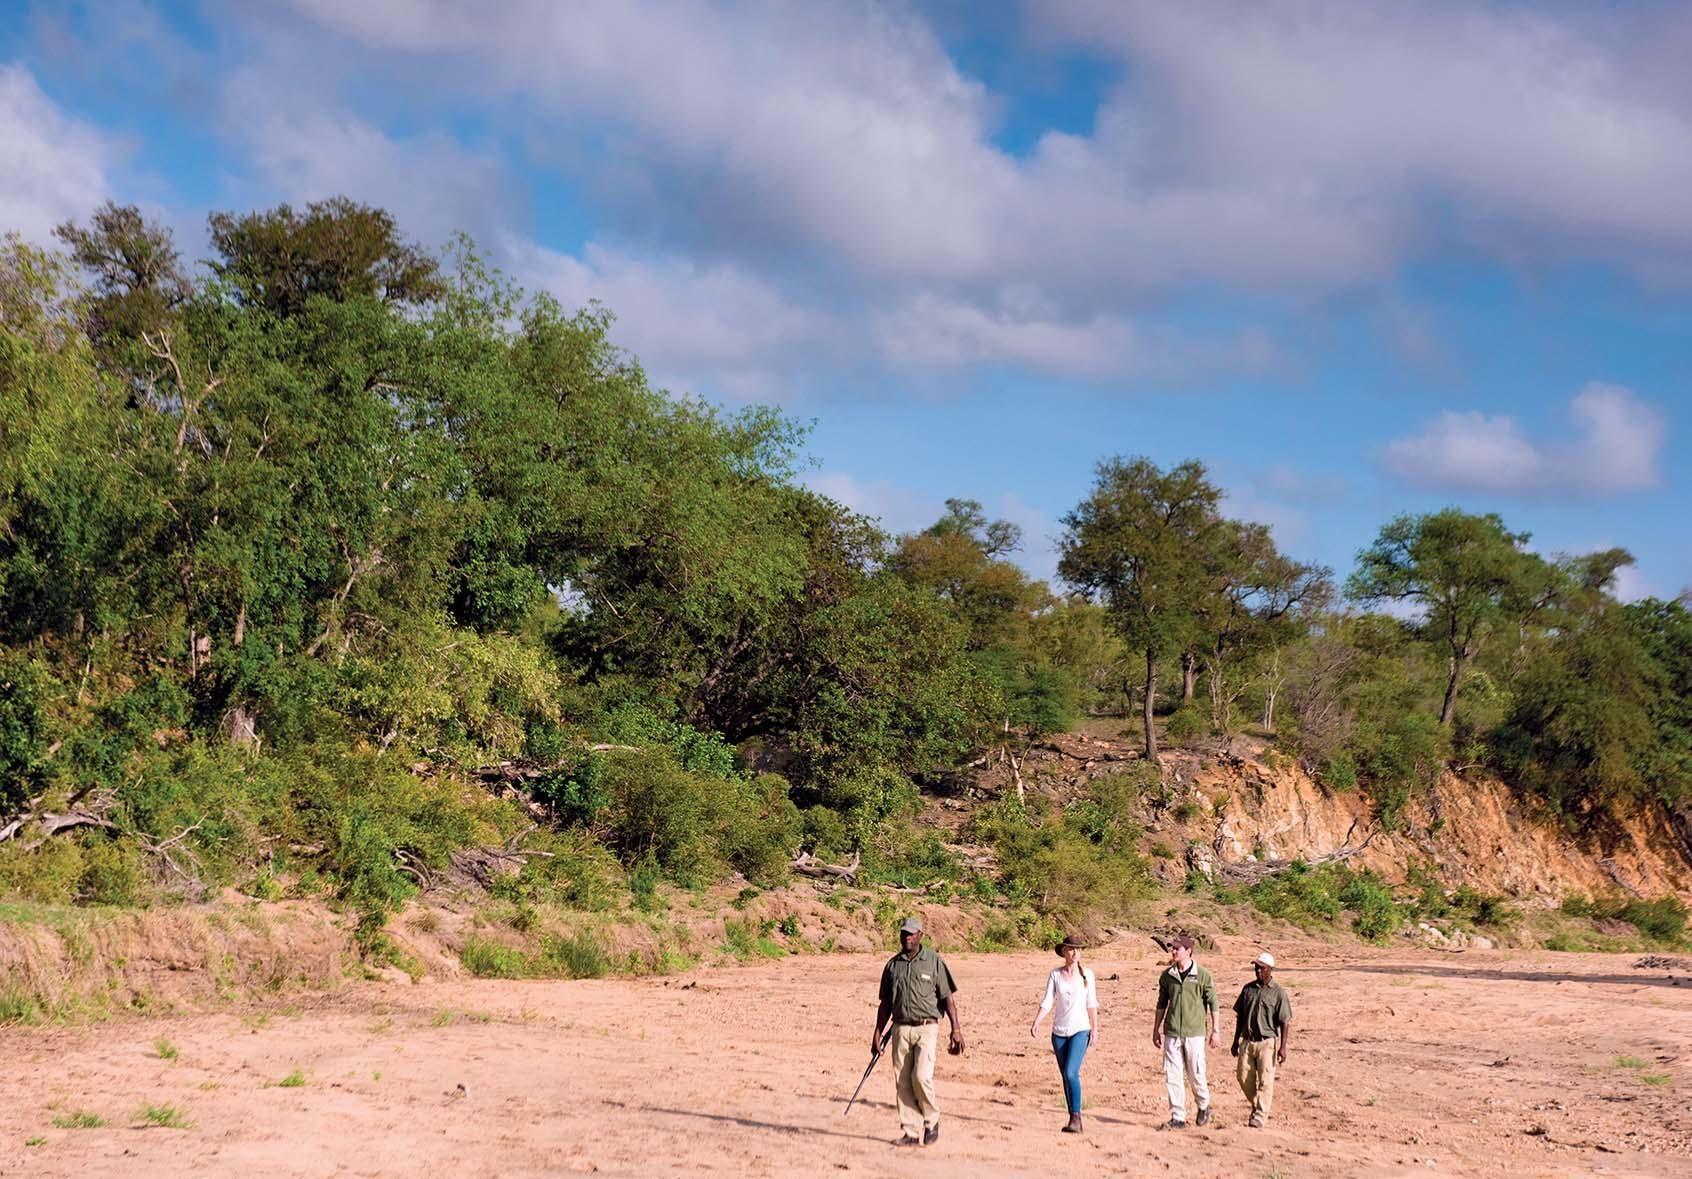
point(1404, 1063)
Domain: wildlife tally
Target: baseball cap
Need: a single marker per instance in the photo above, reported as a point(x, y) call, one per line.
point(1266, 958)
point(911, 925)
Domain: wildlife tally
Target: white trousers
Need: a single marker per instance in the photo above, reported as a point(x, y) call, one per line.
point(1183, 1060)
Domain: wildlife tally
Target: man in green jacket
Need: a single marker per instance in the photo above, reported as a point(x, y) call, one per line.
point(1185, 1020)
point(916, 987)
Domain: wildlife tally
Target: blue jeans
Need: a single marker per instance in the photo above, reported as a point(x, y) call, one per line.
point(1069, 1051)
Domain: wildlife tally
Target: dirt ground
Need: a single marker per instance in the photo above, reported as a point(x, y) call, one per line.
point(1403, 1063)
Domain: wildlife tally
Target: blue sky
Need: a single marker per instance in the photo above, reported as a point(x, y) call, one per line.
point(1359, 259)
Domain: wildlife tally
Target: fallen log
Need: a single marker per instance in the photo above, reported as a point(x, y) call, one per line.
point(807, 864)
point(1253, 872)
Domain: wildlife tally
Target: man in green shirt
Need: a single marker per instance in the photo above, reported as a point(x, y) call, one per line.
point(1185, 1019)
point(1262, 1027)
point(916, 986)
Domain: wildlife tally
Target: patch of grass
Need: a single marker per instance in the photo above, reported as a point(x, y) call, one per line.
point(82, 1119)
point(747, 939)
point(1632, 1062)
point(443, 1018)
point(1654, 1079)
point(18, 1006)
point(293, 1080)
point(1663, 920)
point(164, 1049)
point(36, 1141)
point(485, 959)
point(166, 1117)
point(581, 955)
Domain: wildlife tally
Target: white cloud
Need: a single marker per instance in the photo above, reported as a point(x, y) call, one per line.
point(1618, 443)
point(308, 151)
point(1289, 525)
point(52, 166)
point(1268, 146)
point(1632, 585)
point(931, 330)
point(899, 509)
point(686, 322)
point(1572, 125)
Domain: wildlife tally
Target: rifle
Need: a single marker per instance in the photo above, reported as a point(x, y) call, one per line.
point(870, 1068)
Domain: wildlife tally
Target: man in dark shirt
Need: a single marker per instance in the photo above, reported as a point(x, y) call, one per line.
point(916, 986)
point(1262, 1027)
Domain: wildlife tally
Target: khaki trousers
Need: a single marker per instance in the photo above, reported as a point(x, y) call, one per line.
point(1256, 1070)
point(1183, 1061)
point(913, 1075)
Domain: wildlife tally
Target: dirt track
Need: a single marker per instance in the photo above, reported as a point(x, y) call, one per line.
point(1403, 1063)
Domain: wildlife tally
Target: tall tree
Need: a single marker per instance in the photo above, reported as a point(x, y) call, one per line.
point(1139, 542)
point(1465, 573)
point(1259, 598)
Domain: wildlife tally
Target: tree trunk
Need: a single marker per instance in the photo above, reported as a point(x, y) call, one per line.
point(1221, 715)
point(1151, 699)
point(1449, 708)
point(1189, 676)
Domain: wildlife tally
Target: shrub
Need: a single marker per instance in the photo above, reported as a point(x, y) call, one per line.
point(111, 873)
point(1185, 726)
point(485, 959)
point(1068, 866)
point(581, 955)
point(1339, 773)
point(1662, 920)
point(1378, 916)
point(747, 938)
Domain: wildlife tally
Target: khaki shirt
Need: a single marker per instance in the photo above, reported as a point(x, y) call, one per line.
point(1261, 1011)
point(1185, 998)
point(916, 989)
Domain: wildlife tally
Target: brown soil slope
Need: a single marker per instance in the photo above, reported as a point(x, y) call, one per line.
point(1404, 1063)
point(1472, 828)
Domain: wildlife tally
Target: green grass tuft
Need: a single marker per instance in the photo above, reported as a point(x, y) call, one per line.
point(165, 1116)
point(164, 1049)
point(80, 1120)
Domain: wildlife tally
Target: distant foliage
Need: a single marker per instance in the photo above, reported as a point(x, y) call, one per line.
point(304, 549)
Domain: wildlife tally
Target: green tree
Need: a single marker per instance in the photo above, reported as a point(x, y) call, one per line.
point(1139, 542)
point(1259, 599)
point(337, 249)
point(1465, 573)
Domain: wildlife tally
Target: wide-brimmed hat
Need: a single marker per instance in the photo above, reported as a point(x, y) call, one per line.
point(1070, 942)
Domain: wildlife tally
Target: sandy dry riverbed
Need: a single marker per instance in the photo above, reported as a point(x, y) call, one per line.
point(1403, 1063)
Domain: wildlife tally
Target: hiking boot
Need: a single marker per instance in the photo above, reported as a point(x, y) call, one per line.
point(1204, 1116)
point(1256, 1121)
point(931, 1135)
point(1173, 1124)
point(1074, 1124)
point(907, 1140)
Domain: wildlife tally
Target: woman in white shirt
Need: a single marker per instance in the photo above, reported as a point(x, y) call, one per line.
point(1072, 995)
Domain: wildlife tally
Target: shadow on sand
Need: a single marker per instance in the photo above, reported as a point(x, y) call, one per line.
point(755, 1124)
point(1642, 979)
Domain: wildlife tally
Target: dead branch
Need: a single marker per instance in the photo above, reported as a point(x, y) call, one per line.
point(1252, 872)
point(806, 864)
point(51, 825)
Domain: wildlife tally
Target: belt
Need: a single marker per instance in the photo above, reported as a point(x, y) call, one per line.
point(1261, 1039)
point(914, 1023)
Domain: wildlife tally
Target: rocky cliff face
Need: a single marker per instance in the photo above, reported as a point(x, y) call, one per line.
point(1245, 803)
